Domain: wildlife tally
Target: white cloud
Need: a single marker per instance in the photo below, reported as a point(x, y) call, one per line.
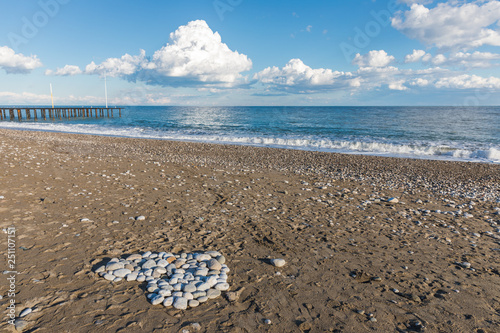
point(397, 85)
point(473, 60)
point(68, 70)
point(297, 75)
point(456, 59)
point(126, 65)
point(419, 82)
point(198, 53)
point(452, 25)
point(466, 81)
point(15, 63)
point(309, 28)
point(373, 58)
point(438, 59)
point(24, 98)
point(416, 56)
point(195, 56)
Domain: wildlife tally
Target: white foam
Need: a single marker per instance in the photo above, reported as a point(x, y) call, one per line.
point(355, 145)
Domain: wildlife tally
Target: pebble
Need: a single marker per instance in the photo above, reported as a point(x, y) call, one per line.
point(20, 324)
point(465, 264)
point(267, 321)
point(183, 280)
point(278, 262)
point(25, 312)
point(140, 218)
point(393, 200)
point(158, 299)
point(193, 303)
point(122, 272)
point(180, 303)
point(213, 264)
point(213, 293)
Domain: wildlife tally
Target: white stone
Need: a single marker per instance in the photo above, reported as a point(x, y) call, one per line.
point(122, 272)
point(109, 277)
point(180, 303)
point(131, 277)
point(168, 301)
point(213, 293)
point(149, 264)
point(112, 266)
point(193, 303)
point(140, 218)
point(203, 287)
point(25, 312)
point(134, 257)
point(278, 262)
point(165, 292)
point(222, 286)
point(158, 299)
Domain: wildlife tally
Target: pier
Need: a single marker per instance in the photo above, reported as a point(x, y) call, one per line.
point(35, 113)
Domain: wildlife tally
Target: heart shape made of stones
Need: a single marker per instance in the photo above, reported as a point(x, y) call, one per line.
point(182, 280)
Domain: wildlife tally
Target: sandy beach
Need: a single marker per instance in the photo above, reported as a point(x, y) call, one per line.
point(426, 261)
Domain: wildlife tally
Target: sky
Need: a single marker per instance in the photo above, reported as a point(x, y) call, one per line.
point(250, 52)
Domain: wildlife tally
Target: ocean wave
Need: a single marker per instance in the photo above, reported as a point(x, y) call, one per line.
point(355, 145)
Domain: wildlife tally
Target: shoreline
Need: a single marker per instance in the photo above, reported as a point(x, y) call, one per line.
point(375, 153)
point(74, 199)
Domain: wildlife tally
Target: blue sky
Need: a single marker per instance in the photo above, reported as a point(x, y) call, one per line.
point(242, 52)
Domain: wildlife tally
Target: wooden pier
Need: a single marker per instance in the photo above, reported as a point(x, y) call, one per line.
point(35, 113)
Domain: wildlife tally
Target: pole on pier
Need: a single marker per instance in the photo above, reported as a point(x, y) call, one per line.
point(51, 96)
point(106, 90)
point(19, 116)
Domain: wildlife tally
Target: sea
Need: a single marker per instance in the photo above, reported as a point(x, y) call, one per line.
point(438, 133)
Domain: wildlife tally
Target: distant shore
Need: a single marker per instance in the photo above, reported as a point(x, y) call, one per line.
point(428, 257)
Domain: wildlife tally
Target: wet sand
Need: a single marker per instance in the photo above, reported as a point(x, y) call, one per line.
point(351, 255)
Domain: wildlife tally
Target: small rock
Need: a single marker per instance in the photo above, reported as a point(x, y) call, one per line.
point(465, 264)
point(20, 325)
point(25, 312)
point(267, 321)
point(213, 264)
point(122, 272)
point(158, 299)
point(213, 293)
point(393, 200)
point(168, 301)
point(180, 303)
point(222, 286)
point(112, 266)
point(140, 218)
point(278, 262)
point(193, 303)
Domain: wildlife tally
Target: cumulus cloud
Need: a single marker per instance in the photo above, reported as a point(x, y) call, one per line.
point(68, 70)
point(466, 81)
point(452, 25)
point(126, 65)
point(416, 56)
point(456, 59)
point(17, 63)
point(397, 85)
point(297, 76)
point(195, 56)
point(373, 58)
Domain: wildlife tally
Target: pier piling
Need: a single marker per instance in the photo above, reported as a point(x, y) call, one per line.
point(56, 113)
